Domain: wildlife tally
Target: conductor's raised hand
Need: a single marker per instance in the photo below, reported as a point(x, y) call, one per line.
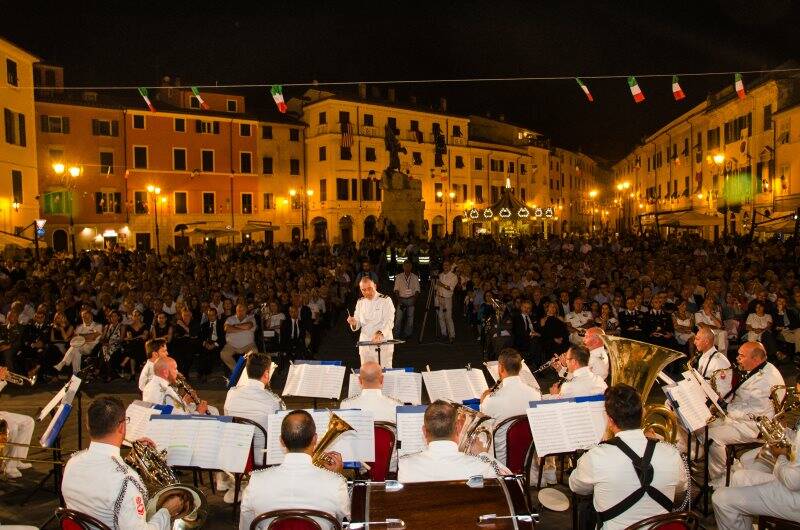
point(352, 321)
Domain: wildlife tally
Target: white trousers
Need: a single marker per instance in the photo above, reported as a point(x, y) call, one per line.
point(370, 353)
point(73, 357)
point(754, 492)
point(445, 314)
point(721, 433)
point(20, 431)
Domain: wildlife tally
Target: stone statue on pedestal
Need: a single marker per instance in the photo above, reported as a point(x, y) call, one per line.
point(401, 203)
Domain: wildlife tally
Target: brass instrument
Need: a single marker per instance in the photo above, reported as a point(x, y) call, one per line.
point(774, 434)
point(161, 483)
point(637, 364)
point(184, 388)
point(20, 380)
point(4, 442)
point(474, 429)
point(336, 427)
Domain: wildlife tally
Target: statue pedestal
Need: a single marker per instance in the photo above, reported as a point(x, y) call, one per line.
point(402, 203)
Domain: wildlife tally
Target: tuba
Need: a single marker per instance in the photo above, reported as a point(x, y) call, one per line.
point(336, 427)
point(474, 430)
point(637, 364)
point(161, 482)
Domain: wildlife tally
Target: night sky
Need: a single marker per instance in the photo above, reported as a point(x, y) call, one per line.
point(137, 43)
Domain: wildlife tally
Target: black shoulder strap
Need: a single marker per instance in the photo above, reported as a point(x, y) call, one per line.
point(644, 470)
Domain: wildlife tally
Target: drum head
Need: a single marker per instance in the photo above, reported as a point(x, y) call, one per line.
point(77, 341)
point(554, 500)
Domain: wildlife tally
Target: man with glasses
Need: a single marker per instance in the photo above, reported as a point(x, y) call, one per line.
point(583, 381)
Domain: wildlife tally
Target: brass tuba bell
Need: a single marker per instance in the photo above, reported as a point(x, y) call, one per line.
point(336, 427)
point(637, 364)
point(161, 482)
point(475, 430)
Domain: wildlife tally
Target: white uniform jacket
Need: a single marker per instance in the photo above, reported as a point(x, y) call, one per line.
point(442, 461)
point(296, 483)
point(146, 374)
point(159, 392)
point(373, 316)
point(606, 472)
point(752, 397)
point(583, 383)
point(99, 483)
point(511, 399)
point(383, 408)
point(254, 402)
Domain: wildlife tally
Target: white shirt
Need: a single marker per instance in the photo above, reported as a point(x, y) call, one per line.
point(449, 279)
point(599, 362)
point(383, 408)
point(406, 285)
point(710, 361)
point(609, 474)
point(93, 327)
point(99, 483)
point(443, 461)
point(578, 319)
point(511, 399)
point(146, 375)
point(254, 402)
point(583, 383)
point(752, 396)
point(374, 315)
point(240, 339)
point(159, 392)
point(296, 483)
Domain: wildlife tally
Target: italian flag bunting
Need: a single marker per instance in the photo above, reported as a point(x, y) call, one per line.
point(677, 91)
point(203, 104)
point(277, 95)
point(739, 85)
point(143, 92)
point(585, 89)
point(636, 92)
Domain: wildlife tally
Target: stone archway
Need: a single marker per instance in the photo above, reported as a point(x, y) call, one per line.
point(320, 226)
point(437, 227)
point(60, 240)
point(346, 229)
point(370, 224)
point(457, 225)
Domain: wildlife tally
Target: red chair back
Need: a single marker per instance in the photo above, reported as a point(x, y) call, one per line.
point(295, 520)
point(74, 520)
point(518, 440)
point(668, 521)
point(385, 437)
point(254, 461)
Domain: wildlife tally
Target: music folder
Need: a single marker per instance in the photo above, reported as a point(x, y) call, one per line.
point(50, 434)
point(138, 416)
point(315, 379)
point(525, 374)
point(410, 419)
point(567, 424)
point(455, 385)
point(400, 383)
point(689, 403)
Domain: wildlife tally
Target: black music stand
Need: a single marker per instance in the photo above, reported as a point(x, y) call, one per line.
point(56, 473)
point(378, 345)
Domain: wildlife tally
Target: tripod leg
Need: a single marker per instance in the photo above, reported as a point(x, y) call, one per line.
point(425, 316)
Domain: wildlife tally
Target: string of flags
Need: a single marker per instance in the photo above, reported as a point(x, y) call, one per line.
point(677, 91)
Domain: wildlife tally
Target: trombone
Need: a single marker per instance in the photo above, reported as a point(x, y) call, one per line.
point(4, 442)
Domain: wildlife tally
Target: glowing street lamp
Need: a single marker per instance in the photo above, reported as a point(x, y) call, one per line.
point(60, 169)
point(719, 158)
point(155, 191)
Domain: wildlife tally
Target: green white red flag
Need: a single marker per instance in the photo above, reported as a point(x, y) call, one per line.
point(203, 104)
point(677, 91)
point(146, 98)
point(636, 92)
point(277, 95)
point(739, 85)
point(585, 89)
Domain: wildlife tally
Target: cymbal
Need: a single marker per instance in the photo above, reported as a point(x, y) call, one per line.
point(554, 500)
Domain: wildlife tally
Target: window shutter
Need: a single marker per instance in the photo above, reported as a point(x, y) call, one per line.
point(198, 126)
point(216, 127)
point(65, 125)
point(95, 127)
point(114, 128)
point(117, 202)
point(98, 202)
point(44, 123)
point(22, 140)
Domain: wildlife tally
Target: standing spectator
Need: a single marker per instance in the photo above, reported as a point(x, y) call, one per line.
point(445, 287)
point(406, 288)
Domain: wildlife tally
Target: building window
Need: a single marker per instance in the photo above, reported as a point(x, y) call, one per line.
point(344, 116)
point(138, 121)
point(56, 155)
point(140, 157)
point(54, 203)
point(459, 161)
point(323, 153)
point(495, 192)
point(181, 202)
point(108, 202)
point(15, 128)
point(194, 102)
point(437, 192)
point(478, 164)
point(105, 128)
point(323, 118)
point(247, 203)
point(345, 153)
point(342, 189)
point(266, 165)
point(206, 127)
point(180, 125)
point(16, 185)
point(392, 122)
point(140, 202)
point(417, 158)
point(245, 162)
point(522, 169)
point(11, 73)
point(369, 120)
point(478, 193)
point(323, 190)
point(768, 117)
point(366, 189)
point(353, 189)
point(294, 135)
point(266, 132)
point(294, 166)
point(369, 154)
point(244, 129)
point(269, 202)
point(106, 162)
point(511, 167)
point(54, 124)
point(232, 105)
point(208, 202)
point(414, 125)
point(207, 160)
point(457, 131)
point(178, 159)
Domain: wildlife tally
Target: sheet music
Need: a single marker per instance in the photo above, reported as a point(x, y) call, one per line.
point(477, 383)
point(71, 386)
point(525, 374)
point(563, 425)
point(458, 384)
point(206, 443)
point(358, 446)
point(694, 375)
point(436, 385)
point(178, 441)
point(691, 400)
point(397, 383)
point(315, 380)
point(235, 446)
point(409, 429)
point(138, 416)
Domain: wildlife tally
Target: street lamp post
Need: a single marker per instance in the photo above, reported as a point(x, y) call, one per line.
point(304, 196)
point(451, 195)
point(73, 171)
point(719, 159)
point(155, 191)
point(593, 196)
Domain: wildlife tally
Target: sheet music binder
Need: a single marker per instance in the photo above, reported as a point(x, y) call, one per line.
point(567, 424)
point(56, 424)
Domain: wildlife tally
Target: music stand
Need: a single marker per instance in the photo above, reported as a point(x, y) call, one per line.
point(378, 345)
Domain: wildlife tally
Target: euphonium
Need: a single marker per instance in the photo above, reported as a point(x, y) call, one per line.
point(474, 429)
point(774, 435)
point(336, 427)
point(161, 482)
point(637, 364)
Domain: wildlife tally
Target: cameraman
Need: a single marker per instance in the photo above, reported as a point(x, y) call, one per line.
point(445, 287)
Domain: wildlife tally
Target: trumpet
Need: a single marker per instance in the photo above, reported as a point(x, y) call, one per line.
point(21, 380)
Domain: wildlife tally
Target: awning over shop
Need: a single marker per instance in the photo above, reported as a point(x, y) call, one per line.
point(251, 227)
point(689, 219)
point(780, 222)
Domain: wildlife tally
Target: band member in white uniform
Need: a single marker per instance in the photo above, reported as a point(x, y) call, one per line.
point(383, 408)
point(98, 482)
point(774, 492)
point(297, 483)
point(374, 316)
point(19, 431)
point(607, 472)
point(159, 390)
point(442, 460)
point(156, 349)
point(711, 360)
point(598, 356)
point(750, 396)
point(583, 381)
point(510, 398)
point(91, 331)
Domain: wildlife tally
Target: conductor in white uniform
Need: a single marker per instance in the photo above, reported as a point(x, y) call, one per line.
point(374, 316)
point(297, 483)
point(99, 483)
point(442, 459)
